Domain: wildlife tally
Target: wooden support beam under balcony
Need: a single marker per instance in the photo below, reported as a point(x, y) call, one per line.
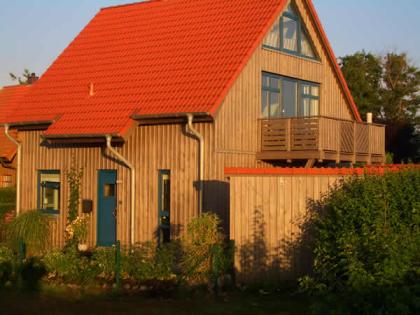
point(322, 138)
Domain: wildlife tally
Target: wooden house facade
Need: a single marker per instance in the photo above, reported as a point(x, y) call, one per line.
point(154, 112)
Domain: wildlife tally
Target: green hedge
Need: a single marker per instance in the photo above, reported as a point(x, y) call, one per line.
point(367, 247)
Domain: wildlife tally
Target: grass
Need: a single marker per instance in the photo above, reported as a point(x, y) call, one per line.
point(54, 302)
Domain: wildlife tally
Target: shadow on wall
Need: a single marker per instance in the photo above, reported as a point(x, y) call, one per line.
point(216, 200)
point(286, 257)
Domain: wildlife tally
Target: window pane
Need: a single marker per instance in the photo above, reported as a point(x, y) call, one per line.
point(266, 81)
point(306, 107)
point(306, 89)
point(275, 83)
point(290, 27)
point(306, 46)
point(273, 38)
point(314, 108)
point(275, 104)
point(289, 98)
point(290, 10)
point(265, 107)
point(49, 191)
point(310, 107)
point(109, 190)
point(315, 90)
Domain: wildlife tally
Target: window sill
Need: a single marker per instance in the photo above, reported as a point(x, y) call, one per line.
point(283, 52)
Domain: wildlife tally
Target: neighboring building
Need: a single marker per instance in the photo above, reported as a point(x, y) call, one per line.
point(8, 96)
point(155, 99)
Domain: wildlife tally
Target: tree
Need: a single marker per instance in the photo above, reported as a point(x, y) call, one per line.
point(363, 72)
point(389, 87)
point(28, 77)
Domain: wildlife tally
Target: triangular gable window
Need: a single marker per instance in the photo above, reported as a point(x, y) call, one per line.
point(289, 35)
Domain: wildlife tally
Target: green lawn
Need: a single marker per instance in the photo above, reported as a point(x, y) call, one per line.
point(233, 303)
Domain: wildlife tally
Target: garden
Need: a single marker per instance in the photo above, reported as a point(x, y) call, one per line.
point(364, 237)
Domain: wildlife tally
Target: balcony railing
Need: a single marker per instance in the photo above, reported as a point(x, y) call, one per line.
point(322, 138)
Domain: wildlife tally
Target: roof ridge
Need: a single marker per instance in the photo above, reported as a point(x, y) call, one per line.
point(142, 2)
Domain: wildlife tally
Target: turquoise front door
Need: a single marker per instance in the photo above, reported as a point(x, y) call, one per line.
point(107, 207)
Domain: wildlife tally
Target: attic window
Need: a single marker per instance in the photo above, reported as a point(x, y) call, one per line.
point(289, 35)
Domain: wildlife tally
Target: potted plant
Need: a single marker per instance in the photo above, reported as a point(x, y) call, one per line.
point(78, 230)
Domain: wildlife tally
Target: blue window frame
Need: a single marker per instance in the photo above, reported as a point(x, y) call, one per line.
point(49, 184)
point(288, 97)
point(289, 35)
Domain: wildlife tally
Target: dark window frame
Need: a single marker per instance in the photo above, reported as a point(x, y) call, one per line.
point(39, 202)
point(300, 97)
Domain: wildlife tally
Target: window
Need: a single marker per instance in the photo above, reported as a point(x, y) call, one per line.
point(49, 191)
point(287, 97)
point(164, 206)
point(289, 35)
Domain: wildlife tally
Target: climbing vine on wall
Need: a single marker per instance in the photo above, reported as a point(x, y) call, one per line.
point(74, 179)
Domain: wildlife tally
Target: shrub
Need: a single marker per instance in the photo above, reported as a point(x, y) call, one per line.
point(104, 259)
point(147, 261)
point(203, 249)
point(7, 260)
point(70, 267)
point(367, 246)
point(32, 227)
point(7, 204)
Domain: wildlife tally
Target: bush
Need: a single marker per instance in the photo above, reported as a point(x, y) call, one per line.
point(32, 227)
point(367, 246)
point(7, 204)
point(203, 258)
point(7, 261)
point(147, 262)
point(70, 267)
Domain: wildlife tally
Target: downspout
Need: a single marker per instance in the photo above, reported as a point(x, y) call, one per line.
point(132, 188)
point(191, 130)
point(18, 166)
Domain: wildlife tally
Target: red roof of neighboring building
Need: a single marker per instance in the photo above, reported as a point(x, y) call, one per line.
point(9, 95)
point(159, 57)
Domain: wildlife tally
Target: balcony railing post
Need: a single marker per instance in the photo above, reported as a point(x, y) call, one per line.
point(354, 142)
point(289, 135)
point(320, 139)
point(338, 158)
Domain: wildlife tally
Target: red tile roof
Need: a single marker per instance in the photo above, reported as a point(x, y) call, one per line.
point(9, 95)
point(151, 58)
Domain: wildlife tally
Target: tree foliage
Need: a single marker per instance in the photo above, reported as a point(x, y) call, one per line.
point(367, 246)
point(25, 79)
point(389, 87)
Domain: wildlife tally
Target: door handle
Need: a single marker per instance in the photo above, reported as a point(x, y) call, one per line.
point(115, 212)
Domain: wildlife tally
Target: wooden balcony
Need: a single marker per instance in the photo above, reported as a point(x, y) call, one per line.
point(322, 139)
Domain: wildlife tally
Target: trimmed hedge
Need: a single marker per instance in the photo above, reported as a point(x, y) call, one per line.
point(367, 246)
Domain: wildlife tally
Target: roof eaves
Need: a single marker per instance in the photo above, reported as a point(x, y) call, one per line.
point(170, 115)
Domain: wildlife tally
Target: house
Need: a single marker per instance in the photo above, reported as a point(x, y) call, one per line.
point(8, 95)
point(153, 100)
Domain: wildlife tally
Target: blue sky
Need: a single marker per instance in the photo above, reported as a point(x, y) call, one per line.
point(34, 32)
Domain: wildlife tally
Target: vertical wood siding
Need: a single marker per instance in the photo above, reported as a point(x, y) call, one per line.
point(231, 141)
point(237, 128)
point(266, 216)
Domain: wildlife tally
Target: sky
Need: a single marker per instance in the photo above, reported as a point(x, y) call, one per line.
point(34, 32)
